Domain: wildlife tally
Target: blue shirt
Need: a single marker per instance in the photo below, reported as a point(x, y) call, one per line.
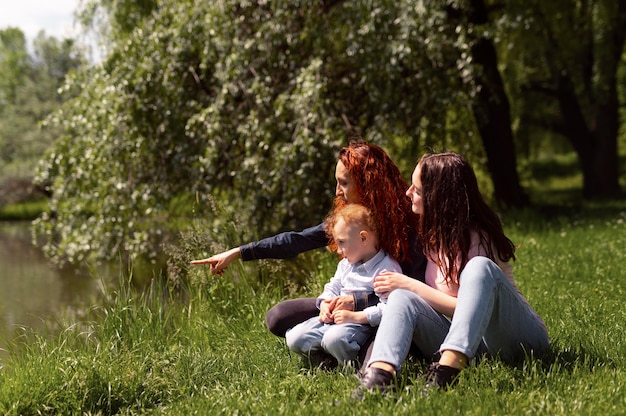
point(359, 277)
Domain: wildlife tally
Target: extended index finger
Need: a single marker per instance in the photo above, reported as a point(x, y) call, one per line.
point(203, 261)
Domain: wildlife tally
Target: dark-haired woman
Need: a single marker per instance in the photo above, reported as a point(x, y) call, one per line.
point(469, 303)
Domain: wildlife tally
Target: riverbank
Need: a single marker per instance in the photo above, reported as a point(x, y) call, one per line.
point(23, 211)
point(33, 289)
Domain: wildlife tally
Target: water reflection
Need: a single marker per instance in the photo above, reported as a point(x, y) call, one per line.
point(33, 290)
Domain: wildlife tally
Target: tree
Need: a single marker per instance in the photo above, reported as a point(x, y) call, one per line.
point(236, 100)
point(246, 103)
point(13, 64)
point(571, 52)
point(489, 100)
point(28, 93)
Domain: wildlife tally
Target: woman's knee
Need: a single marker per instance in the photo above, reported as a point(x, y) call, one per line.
point(481, 267)
point(480, 262)
point(273, 320)
point(403, 302)
point(287, 314)
point(401, 296)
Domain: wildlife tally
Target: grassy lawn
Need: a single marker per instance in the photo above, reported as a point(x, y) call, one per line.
point(202, 347)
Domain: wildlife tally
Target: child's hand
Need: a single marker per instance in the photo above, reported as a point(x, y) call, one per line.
point(349, 317)
point(326, 314)
point(344, 302)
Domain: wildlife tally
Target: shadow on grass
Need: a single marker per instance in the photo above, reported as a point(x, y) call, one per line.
point(567, 360)
point(576, 209)
point(561, 167)
point(565, 207)
point(563, 198)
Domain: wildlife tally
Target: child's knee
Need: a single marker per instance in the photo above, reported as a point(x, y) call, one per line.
point(335, 340)
point(295, 342)
point(290, 340)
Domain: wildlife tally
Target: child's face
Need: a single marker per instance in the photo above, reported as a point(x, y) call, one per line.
point(415, 192)
point(352, 242)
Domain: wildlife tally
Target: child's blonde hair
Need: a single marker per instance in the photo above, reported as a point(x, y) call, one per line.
point(352, 214)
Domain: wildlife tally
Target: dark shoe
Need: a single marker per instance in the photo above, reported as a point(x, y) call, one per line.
point(440, 376)
point(321, 360)
point(373, 380)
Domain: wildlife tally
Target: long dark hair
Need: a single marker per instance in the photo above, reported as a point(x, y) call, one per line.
point(453, 208)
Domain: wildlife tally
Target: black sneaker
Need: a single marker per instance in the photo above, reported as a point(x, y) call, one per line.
point(374, 379)
point(440, 376)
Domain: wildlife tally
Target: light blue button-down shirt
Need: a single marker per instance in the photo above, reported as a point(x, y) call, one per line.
point(360, 276)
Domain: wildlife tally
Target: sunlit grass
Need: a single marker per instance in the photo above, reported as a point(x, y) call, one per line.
point(197, 344)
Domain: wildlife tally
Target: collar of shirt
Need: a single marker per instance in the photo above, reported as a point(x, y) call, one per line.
point(370, 265)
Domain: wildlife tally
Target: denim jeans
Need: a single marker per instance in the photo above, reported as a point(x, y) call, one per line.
point(342, 341)
point(491, 316)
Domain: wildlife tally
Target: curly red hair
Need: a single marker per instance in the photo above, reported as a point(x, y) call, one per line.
point(382, 189)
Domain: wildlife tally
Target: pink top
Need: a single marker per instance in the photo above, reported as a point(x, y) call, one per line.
point(435, 278)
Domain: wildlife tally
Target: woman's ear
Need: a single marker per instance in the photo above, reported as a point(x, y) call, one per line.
point(364, 235)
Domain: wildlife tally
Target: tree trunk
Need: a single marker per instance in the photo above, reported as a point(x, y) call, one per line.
point(601, 166)
point(493, 116)
point(595, 144)
point(594, 135)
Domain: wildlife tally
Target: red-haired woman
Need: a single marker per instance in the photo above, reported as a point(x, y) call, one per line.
point(366, 175)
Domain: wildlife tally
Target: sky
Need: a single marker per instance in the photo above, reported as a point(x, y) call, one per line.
point(31, 16)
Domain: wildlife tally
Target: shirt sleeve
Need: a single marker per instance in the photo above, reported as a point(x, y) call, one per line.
point(285, 245)
point(374, 313)
point(332, 289)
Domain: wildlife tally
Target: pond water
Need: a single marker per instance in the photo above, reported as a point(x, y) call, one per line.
point(32, 289)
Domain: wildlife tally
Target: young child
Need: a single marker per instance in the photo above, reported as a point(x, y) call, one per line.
point(341, 333)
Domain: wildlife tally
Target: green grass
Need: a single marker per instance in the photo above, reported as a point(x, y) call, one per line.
point(200, 346)
point(23, 211)
point(152, 353)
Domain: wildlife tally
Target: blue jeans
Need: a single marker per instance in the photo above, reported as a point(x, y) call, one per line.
point(342, 341)
point(491, 316)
